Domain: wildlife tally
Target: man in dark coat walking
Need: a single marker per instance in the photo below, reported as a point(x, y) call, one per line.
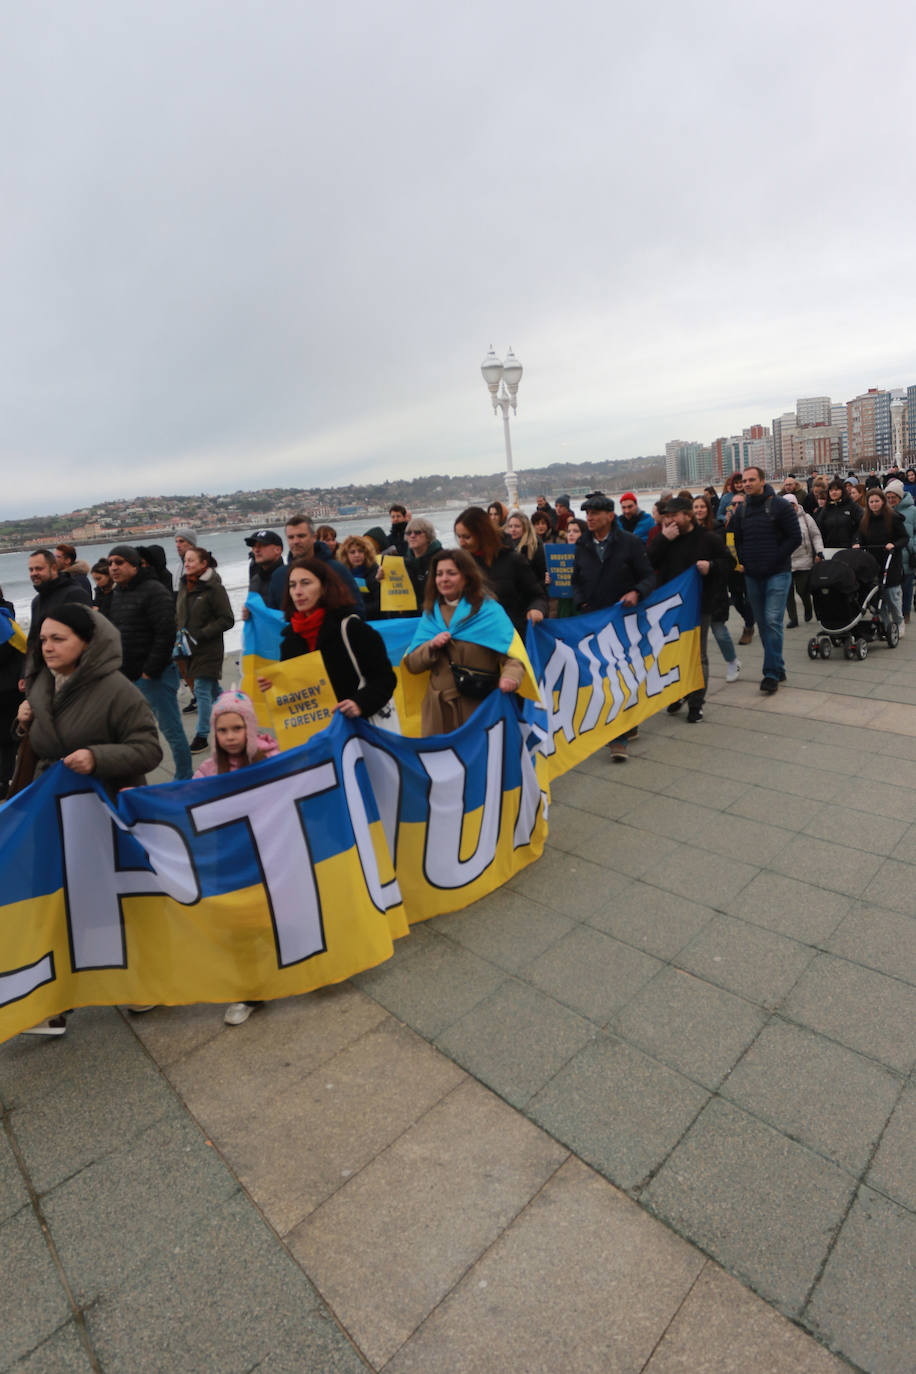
point(610, 567)
point(766, 531)
point(144, 613)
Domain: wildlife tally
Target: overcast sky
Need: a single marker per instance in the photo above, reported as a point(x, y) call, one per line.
point(249, 244)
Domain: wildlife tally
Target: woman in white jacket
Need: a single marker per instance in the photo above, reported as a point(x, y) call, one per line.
point(804, 557)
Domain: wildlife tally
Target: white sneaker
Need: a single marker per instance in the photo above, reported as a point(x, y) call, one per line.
point(54, 1025)
point(732, 671)
point(237, 1013)
point(901, 626)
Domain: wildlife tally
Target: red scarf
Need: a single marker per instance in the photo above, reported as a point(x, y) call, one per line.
point(307, 625)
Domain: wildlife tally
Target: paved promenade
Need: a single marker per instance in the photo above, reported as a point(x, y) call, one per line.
point(649, 1108)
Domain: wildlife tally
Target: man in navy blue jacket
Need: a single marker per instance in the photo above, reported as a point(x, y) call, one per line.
point(766, 531)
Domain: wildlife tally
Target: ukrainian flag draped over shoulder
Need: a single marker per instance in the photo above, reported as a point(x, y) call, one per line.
point(489, 626)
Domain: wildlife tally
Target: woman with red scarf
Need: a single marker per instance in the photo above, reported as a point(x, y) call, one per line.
point(322, 616)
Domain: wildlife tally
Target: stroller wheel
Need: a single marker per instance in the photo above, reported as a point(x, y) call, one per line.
point(826, 647)
point(893, 634)
point(849, 649)
point(814, 650)
point(861, 648)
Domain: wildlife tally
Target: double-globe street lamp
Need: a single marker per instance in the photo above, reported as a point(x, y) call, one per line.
point(502, 380)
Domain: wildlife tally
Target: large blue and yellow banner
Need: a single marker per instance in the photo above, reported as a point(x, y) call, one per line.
point(303, 869)
point(603, 673)
point(273, 880)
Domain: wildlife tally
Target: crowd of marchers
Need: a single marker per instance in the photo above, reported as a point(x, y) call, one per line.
point(103, 671)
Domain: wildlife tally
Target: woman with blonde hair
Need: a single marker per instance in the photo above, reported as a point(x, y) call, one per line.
point(527, 543)
point(357, 553)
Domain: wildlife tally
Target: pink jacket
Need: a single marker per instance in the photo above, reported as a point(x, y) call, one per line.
point(266, 743)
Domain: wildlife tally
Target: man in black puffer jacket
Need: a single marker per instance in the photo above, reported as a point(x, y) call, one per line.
point(52, 588)
point(766, 531)
point(144, 613)
point(682, 545)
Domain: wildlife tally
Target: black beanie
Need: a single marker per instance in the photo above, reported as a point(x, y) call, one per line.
point(78, 618)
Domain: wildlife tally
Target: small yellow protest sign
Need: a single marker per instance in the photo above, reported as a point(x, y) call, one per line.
point(301, 699)
point(397, 589)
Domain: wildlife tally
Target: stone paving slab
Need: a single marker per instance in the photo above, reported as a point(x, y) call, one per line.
point(394, 1241)
point(893, 1168)
point(763, 1206)
point(689, 1024)
point(516, 1040)
point(578, 1283)
point(865, 1010)
point(864, 1304)
point(722, 1328)
point(306, 1143)
point(618, 1109)
point(33, 1300)
point(62, 1353)
point(815, 1091)
point(225, 1298)
point(647, 918)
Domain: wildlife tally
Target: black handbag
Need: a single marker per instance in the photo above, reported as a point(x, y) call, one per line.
point(475, 683)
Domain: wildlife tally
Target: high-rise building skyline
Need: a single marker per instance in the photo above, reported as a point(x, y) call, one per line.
point(819, 434)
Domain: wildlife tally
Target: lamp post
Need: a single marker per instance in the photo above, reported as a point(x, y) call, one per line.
point(502, 380)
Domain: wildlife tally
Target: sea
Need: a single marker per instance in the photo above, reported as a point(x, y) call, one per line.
point(231, 553)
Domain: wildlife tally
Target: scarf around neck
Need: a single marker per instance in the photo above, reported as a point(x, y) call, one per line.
point(307, 624)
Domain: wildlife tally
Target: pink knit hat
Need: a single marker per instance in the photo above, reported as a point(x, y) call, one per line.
point(237, 704)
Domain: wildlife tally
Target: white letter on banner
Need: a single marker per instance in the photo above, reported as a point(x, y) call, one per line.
point(634, 635)
point(94, 885)
point(530, 796)
point(655, 683)
point(19, 982)
point(385, 779)
point(561, 667)
point(442, 863)
point(617, 662)
point(598, 667)
point(271, 813)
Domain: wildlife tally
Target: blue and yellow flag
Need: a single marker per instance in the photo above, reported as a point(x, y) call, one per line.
point(604, 672)
point(11, 632)
point(489, 626)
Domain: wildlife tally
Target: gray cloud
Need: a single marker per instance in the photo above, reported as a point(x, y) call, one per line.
point(249, 245)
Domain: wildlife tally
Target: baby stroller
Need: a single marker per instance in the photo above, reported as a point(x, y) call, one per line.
point(847, 592)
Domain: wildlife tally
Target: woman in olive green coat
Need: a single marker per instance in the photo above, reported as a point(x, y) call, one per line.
point(203, 612)
point(81, 710)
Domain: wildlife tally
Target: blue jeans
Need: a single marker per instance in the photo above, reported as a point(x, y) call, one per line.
point(907, 592)
point(206, 689)
point(767, 596)
point(724, 640)
point(162, 694)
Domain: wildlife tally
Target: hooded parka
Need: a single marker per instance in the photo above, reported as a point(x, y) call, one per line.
point(95, 708)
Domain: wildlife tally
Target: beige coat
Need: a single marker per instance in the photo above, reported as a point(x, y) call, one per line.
point(444, 708)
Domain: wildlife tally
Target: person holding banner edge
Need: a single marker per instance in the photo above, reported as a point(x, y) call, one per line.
point(80, 710)
point(460, 622)
point(321, 615)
